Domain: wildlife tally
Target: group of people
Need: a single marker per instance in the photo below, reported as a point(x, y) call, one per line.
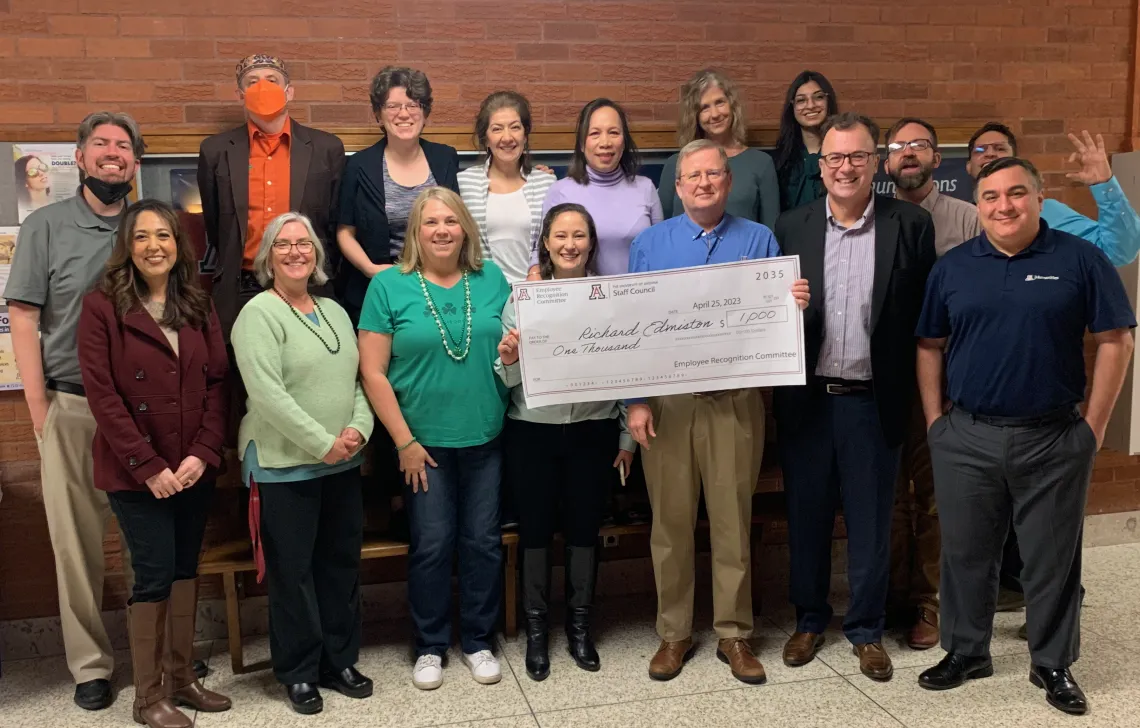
point(377, 290)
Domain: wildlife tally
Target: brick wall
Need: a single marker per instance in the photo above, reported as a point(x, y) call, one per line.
point(1047, 66)
point(1044, 66)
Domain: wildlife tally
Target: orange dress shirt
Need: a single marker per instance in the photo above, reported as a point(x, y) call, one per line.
point(268, 185)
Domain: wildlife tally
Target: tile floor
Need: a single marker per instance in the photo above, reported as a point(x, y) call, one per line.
point(828, 692)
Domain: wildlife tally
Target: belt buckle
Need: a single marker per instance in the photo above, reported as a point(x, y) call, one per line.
point(835, 389)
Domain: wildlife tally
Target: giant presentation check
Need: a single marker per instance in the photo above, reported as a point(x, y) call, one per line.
point(668, 332)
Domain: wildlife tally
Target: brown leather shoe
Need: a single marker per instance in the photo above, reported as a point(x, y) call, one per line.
point(874, 662)
point(737, 654)
point(801, 648)
point(670, 658)
point(924, 634)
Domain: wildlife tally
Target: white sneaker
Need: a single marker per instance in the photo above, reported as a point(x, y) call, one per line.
point(428, 673)
point(484, 667)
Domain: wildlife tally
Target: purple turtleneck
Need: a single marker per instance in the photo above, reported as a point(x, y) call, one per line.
point(621, 209)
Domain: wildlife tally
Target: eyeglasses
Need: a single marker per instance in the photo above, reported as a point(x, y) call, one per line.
point(997, 147)
point(918, 145)
point(858, 159)
point(818, 97)
point(412, 107)
point(714, 175)
point(303, 246)
point(34, 172)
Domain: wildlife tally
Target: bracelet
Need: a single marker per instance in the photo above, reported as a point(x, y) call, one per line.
point(406, 445)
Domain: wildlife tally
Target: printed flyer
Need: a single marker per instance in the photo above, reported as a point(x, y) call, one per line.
point(44, 173)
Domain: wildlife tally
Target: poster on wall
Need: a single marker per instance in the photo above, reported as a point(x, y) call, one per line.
point(7, 250)
point(9, 375)
point(43, 174)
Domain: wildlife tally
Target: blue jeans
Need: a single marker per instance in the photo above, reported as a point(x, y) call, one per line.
point(460, 510)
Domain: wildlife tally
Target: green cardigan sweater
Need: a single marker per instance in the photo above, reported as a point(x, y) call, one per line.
point(300, 396)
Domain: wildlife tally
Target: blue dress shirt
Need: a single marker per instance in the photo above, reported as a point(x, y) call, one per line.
point(681, 243)
point(1116, 230)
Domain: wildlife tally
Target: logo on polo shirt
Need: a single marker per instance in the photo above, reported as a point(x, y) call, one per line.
point(1032, 277)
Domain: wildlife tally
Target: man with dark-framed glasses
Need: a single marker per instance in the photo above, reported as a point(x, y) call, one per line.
point(840, 434)
point(912, 157)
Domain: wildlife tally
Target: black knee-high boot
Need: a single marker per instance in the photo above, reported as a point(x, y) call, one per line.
point(536, 596)
point(581, 572)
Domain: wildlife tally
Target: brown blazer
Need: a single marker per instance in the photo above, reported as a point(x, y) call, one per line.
point(316, 162)
point(152, 408)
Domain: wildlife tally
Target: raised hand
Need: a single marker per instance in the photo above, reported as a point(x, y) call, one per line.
point(1092, 157)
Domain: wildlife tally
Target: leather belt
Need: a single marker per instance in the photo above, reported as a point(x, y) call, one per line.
point(66, 387)
point(1049, 418)
point(844, 386)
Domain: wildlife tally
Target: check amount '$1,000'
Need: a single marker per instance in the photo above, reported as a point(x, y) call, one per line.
point(677, 331)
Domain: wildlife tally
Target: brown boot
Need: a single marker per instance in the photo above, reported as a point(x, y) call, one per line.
point(874, 662)
point(178, 660)
point(737, 653)
point(670, 658)
point(801, 647)
point(924, 634)
point(147, 630)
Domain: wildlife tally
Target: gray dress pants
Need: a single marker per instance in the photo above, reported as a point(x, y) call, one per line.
point(1037, 470)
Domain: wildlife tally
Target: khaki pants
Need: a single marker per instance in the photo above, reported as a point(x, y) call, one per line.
point(77, 516)
point(717, 439)
point(916, 538)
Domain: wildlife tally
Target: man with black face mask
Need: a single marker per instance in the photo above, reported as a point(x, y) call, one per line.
point(59, 255)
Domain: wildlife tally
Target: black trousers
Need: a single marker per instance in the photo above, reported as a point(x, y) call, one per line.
point(561, 476)
point(311, 532)
point(1040, 474)
point(838, 456)
point(164, 536)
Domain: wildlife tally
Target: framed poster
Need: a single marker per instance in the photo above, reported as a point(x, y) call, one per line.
point(43, 174)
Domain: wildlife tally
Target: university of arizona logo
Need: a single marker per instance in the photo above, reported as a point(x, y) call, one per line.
point(524, 294)
point(596, 292)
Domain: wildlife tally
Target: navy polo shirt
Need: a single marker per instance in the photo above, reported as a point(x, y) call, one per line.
point(1016, 325)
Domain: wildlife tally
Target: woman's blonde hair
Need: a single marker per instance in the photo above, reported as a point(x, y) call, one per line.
point(689, 127)
point(470, 255)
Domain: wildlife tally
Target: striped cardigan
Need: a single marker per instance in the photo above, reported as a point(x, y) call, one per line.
point(474, 187)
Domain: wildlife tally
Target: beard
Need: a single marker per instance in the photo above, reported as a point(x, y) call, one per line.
point(913, 181)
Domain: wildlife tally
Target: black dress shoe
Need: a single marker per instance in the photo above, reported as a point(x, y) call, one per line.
point(1061, 690)
point(347, 682)
point(954, 671)
point(305, 698)
point(200, 669)
point(94, 694)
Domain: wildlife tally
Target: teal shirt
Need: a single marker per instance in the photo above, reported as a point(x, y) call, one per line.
point(804, 184)
point(1116, 229)
point(445, 403)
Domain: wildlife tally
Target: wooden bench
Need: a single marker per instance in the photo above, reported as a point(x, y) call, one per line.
point(234, 559)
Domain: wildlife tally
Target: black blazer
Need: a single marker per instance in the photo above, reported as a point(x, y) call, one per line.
point(904, 255)
point(316, 161)
point(362, 207)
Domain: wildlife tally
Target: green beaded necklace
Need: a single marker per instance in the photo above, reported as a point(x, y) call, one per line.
point(444, 330)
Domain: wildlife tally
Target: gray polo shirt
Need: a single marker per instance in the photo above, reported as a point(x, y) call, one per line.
point(60, 254)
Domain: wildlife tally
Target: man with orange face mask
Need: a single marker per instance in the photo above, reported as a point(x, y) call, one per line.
point(249, 175)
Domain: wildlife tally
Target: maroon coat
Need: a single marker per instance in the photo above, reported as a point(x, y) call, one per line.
point(152, 408)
